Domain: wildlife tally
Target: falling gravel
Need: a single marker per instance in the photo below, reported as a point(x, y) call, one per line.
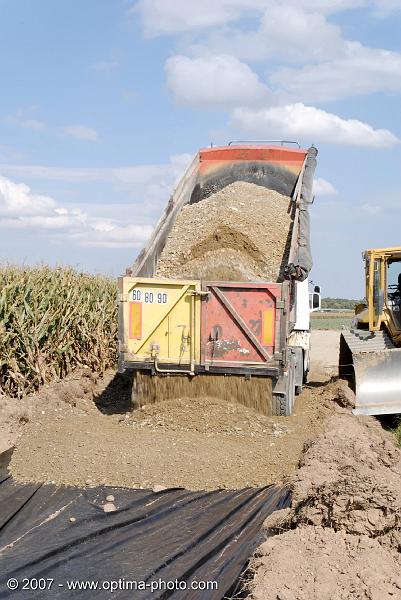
point(239, 233)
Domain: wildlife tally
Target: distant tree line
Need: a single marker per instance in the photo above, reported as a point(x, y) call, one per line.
point(343, 303)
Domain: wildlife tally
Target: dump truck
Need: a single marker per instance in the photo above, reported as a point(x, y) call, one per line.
point(370, 352)
point(199, 335)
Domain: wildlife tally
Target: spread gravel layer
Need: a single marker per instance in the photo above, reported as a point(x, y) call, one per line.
point(201, 443)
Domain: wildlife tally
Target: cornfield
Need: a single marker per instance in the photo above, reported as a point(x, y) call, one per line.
point(53, 321)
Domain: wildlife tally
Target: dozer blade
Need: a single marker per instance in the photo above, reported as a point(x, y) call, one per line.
point(378, 383)
point(376, 372)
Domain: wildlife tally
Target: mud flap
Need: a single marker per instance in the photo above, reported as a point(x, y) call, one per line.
point(299, 370)
point(378, 382)
point(284, 389)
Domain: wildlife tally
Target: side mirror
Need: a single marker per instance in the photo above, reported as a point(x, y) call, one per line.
point(316, 300)
point(316, 289)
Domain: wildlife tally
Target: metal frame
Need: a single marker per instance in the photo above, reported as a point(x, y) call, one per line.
point(248, 371)
point(255, 142)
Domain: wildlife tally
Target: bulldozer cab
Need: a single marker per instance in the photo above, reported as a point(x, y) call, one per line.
point(394, 290)
point(370, 352)
point(383, 289)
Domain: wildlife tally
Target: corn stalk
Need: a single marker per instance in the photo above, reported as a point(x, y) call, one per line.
point(53, 321)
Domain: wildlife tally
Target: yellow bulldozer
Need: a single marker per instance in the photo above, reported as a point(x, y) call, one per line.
point(370, 352)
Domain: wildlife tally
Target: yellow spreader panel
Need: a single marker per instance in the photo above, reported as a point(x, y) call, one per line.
point(159, 320)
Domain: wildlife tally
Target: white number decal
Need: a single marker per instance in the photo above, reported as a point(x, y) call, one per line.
point(162, 298)
point(149, 297)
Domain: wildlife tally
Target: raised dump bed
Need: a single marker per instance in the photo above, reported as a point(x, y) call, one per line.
point(178, 317)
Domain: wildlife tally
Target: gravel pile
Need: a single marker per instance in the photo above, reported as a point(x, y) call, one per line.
point(239, 233)
point(205, 415)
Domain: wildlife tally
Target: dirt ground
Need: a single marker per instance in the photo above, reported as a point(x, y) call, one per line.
point(340, 540)
point(194, 443)
point(81, 431)
point(325, 347)
point(316, 563)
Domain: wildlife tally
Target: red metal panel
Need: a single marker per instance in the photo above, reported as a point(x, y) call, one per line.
point(215, 158)
point(254, 152)
point(234, 321)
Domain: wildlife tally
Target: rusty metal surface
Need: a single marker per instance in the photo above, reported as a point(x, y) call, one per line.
point(233, 323)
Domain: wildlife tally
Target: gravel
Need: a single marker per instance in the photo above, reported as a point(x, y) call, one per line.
point(197, 443)
point(239, 233)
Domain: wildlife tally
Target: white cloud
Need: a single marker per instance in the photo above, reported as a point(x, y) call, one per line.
point(81, 132)
point(101, 225)
point(309, 123)
point(108, 234)
point(329, 67)
point(284, 32)
point(23, 117)
point(371, 209)
point(16, 199)
point(172, 17)
point(136, 176)
point(161, 17)
point(20, 208)
point(215, 81)
point(34, 124)
point(359, 70)
point(322, 187)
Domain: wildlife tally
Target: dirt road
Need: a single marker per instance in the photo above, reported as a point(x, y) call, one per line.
point(325, 345)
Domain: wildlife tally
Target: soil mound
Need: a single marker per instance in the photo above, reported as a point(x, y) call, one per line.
point(342, 533)
point(314, 563)
point(239, 233)
point(350, 479)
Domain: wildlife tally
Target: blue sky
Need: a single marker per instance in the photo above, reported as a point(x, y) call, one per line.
point(104, 102)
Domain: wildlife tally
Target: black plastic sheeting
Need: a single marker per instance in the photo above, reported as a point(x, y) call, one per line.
point(171, 535)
